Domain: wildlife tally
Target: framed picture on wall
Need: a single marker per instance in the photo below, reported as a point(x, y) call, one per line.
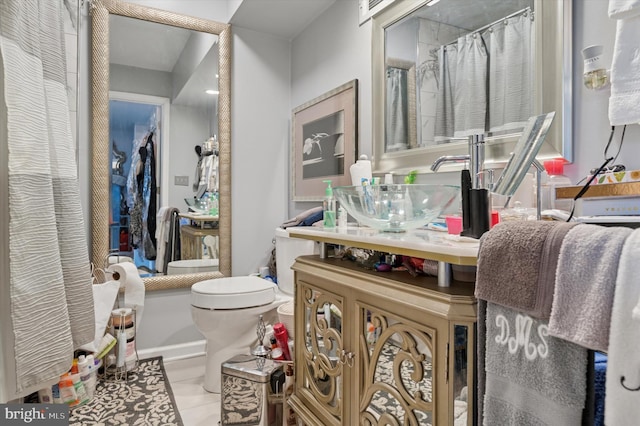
point(324, 142)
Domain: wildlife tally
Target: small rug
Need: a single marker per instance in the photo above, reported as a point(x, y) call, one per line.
point(144, 399)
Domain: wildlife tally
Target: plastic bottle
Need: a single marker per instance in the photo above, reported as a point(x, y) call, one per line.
point(213, 204)
point(329, 207)
point(342, 218)
point(67, 390)
point(281, 335)
point(81, 391)
point(555, 179)
point(90, 382)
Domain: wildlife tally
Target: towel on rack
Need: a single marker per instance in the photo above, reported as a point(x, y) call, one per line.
point(470, 90)
point(621, 9)
point(517, 263)
point(624, 103)
point(510, 99)
point(585, 281)
point(481, 327)
point(623, 367)
point(163, 235)
point(295, 221)
point(531, 378)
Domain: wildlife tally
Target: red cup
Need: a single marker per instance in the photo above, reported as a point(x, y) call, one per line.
point(495, 218)
point(454, 224)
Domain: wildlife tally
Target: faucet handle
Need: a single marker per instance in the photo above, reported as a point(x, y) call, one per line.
point(490, 177)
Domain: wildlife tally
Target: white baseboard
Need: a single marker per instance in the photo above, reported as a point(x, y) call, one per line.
point(175, 352)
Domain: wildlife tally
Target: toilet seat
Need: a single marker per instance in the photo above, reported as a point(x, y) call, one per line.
point(232, 293)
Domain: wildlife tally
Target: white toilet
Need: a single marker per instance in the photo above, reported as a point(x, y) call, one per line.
point(226, 310)
point(192, 266)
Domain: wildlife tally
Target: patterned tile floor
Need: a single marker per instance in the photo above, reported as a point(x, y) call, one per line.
point(197, 406)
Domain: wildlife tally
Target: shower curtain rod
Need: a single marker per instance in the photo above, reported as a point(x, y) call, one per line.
point(513, 15)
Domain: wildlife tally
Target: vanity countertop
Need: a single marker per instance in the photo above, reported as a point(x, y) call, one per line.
point(422, 243)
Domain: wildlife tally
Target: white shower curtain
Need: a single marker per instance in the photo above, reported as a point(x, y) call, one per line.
point(47, 286)
point(510, 45)
point(447, 60)
point(470, 90)
point(397, 102)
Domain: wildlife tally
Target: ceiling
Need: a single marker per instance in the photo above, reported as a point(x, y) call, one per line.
point(153, 46)
point(283, 18)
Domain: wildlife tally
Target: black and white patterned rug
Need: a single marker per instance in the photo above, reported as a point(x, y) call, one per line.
point(144, 399)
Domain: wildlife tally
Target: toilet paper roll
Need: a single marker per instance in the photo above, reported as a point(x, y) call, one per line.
point(129, 278)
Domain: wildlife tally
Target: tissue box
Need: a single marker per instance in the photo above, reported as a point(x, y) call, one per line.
point(618, 177)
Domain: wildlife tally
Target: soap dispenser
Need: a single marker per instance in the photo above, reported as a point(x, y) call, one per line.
point(476, 208)
point(329, 207)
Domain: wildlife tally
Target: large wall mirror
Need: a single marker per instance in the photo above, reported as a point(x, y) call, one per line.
point(161, 126)
point(447, 69)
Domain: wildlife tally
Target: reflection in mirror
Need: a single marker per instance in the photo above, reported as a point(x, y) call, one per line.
point(401, 371)
point(460, 364)
point(160, 115)
point(323, 342)
point(446, 70)
point(524, 154)
point(162, 82)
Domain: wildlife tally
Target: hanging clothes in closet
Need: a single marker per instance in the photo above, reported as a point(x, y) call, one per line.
point(142, 192)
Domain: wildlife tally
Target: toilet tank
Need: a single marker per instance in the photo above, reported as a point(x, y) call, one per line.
point(287, 249)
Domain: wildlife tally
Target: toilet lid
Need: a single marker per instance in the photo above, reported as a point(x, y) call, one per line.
point(232, 293)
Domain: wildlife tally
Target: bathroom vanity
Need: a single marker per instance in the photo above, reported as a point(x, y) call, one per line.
point(383, 347)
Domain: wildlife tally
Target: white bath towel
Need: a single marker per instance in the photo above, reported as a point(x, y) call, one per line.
point(447, 59)
point(621, 9)
point(163, 219)
point(511, 50)
point(622, 399)
point(624, 103)
point(585, 282)
point(470, 90)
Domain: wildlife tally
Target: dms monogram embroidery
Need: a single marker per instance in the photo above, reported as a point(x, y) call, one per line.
point(522, 336)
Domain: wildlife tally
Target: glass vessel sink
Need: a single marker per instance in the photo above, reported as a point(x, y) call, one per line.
point(396, 208)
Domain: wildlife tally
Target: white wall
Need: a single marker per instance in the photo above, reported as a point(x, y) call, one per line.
point(591, 127)
point(260, 104)
point(330, 52)
point(189, 127)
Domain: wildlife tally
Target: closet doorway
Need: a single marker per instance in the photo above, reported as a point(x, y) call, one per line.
point(139, 135)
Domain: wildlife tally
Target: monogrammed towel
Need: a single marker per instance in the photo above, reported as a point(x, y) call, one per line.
point(530, 378)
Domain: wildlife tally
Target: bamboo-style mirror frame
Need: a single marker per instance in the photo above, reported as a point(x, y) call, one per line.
point(100, 194)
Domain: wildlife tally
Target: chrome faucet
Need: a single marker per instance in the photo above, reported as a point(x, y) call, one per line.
point(475, 159)
point(449, 159)
point(476, 206)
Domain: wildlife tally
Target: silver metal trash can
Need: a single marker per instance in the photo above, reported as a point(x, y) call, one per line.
point(250, 396)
